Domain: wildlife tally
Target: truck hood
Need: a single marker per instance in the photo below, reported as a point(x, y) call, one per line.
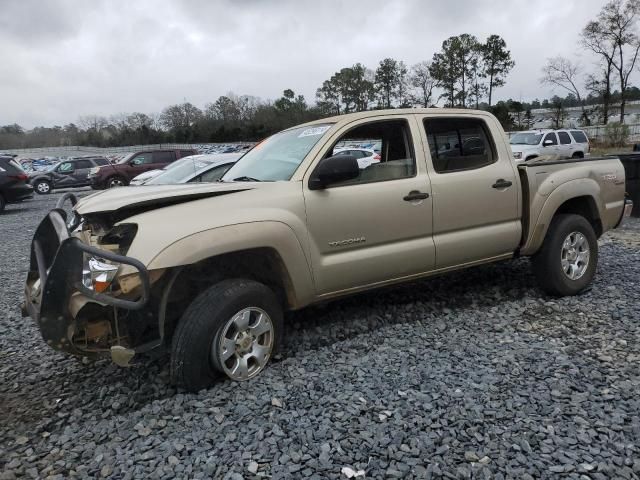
point(148, 197)
point(525, 148)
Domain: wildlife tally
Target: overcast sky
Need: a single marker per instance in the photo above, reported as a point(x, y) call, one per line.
point(63, 59)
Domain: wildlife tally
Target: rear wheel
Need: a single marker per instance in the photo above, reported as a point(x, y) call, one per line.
point(577, 155)
point(43, 187)
point(566, 262)
point(116, 182)
point(232, 328)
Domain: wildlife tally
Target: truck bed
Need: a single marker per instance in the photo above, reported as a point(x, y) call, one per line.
point(548, 185)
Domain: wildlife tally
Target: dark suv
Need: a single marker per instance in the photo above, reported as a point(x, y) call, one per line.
point(132, 165)
point(13, 182)
point(69, 173)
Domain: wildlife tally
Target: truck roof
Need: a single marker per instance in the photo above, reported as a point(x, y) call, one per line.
point(349, 117)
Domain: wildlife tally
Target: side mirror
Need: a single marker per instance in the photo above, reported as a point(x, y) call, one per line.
point(546, 143)
point(333, 170)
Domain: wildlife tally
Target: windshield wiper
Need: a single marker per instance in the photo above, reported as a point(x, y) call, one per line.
point(246, 179)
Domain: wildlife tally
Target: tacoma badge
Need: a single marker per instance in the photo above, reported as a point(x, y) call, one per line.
point(348, 241)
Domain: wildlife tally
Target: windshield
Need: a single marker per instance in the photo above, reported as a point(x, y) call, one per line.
point(126, 158)
point(526, 139)
point(185, 169)
point(278, 157)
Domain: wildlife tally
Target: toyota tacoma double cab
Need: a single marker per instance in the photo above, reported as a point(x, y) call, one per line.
point(206, 271)
point(121, 173)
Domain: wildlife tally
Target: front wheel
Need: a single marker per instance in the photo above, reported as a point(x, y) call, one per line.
point(566, 262)
point(232, 328)
point(3, 203)
point(43, 187)
point(116, 182)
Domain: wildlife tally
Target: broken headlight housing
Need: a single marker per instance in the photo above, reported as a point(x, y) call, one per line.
point(97, 275)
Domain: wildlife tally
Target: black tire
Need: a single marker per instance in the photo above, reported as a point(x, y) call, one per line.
point(547, 263)
point(3, 203)
point(194, 364)
point(531, 158)
point(577, 155)
point(116, 182)
point(42, 187)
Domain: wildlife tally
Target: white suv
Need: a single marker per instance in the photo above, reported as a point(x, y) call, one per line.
point(559, 143)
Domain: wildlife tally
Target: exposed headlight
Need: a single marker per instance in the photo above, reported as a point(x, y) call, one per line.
point(517, 155)
point(97, 275)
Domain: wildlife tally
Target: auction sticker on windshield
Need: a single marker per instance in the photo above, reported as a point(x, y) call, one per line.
point(314, 131)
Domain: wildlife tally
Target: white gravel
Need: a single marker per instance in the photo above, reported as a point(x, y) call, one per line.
point(472, 375)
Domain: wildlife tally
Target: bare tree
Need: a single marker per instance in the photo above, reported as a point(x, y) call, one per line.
point(596, 39)
point(562, 72)
point(618, 23)
point(423, 84)
point(95, 122)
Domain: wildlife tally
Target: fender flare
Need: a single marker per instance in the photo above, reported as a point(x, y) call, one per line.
point(583, 187)
point(274, 235)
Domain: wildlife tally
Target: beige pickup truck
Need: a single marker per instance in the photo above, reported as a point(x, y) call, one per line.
point(207, 270)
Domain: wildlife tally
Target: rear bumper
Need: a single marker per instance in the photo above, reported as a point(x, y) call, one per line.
point(55, 275)
point(17, 193)
point(626, 211)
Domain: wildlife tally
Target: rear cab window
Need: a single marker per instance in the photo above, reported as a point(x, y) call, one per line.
point(458, 144)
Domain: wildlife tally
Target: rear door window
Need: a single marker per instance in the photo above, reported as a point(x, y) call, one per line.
point(458, 144)
point(579, 136)
point(164, 157)
point(564, 137)
point(80, 164)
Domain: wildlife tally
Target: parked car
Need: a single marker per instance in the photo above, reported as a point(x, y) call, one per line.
point(206, 270)
point(364, 156)
point(121, 173)
point(196, 168)
point(558, 143)
point(186, 167)
point(67, 174)
point(14, 186)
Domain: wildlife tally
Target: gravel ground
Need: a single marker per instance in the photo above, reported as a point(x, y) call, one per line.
point(472, 375)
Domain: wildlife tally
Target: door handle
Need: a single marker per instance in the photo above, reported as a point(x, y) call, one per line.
point(502, 183)
point(415, 195)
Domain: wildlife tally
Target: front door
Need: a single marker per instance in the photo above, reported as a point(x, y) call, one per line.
point(63, 175)
point(550, 145)
point(476, 210)
point(377, 227)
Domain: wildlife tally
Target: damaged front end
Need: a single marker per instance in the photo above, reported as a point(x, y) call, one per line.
point(85, 294)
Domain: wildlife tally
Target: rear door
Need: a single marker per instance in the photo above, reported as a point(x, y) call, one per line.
point(476, 210)
point(81, 173)
point(566, 146)
point(162, 158)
